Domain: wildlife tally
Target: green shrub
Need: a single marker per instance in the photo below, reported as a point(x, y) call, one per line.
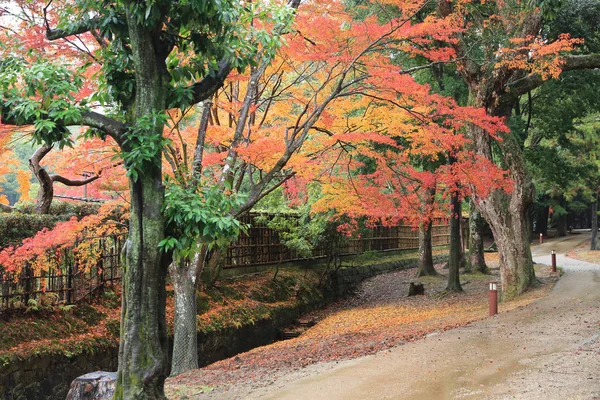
point(62, 208)
point(16, 226)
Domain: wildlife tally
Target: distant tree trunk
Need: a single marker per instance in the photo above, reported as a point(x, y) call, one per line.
point(476, 253)
point(541, 220)
point(455, 246)
point(594, 242)
point(561, 219)
point(425, 266)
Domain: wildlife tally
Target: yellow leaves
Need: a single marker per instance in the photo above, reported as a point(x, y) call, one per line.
point(24, 180)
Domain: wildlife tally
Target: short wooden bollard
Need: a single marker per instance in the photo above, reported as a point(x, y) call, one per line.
point(493, 298)
point(99, 385)
point(553, 261)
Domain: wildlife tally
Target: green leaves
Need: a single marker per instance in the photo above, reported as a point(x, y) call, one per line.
point(143, 143)
point(42, 94)
point(199, 217)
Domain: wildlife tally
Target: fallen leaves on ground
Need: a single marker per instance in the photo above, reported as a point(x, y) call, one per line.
point(377, 317)
point(583, 253)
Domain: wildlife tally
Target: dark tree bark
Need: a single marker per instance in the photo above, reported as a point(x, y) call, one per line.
point(425, 266)
point(561, 220)
point(476, 254)
point(46, 191)
point(143, 346)
point(455, 245)
point(541, 220)
point(594, 241)
point(507, 216)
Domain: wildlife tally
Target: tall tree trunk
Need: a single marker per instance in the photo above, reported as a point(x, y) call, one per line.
point(594, 242)
point(507, 213)
point(476, 253)
point(144, 344)
point(144, 347)
point(185, 347)
point(455, 245)
point(425, 267)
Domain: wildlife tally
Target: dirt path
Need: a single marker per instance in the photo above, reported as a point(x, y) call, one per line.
point(549, 350)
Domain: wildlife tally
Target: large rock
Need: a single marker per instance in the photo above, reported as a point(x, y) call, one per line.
point(99, 385)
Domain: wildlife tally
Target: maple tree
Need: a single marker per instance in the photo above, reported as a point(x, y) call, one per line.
point(511, 60)
point(141, 73)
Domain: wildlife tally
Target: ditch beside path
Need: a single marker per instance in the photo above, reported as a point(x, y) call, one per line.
point(548, 350)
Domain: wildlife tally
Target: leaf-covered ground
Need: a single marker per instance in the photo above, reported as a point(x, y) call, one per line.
point(583, 253)
point(377, 317)
point(231, 303)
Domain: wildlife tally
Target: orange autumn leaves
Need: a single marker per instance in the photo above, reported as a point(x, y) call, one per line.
point(43, 251)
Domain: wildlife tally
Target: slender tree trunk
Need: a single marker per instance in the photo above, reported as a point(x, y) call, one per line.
point(594, 242)
point(455, 245)
point(425, 267)
point(212, 267)
point(46, 191)
point(476, 253)
point(185, 347)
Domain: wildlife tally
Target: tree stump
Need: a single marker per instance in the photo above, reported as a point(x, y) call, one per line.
point(416, 289)
point(99, 385)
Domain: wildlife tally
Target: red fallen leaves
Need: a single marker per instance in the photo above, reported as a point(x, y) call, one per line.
point(377, 318)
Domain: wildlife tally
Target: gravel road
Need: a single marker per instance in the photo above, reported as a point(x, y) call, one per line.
point(548, 350)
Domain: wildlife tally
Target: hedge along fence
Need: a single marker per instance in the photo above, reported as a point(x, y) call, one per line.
point(260, 245)
point(69, 283)
point(19, 225)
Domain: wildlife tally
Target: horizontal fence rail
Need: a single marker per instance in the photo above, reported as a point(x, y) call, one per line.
point(262, 245)
point(70, 283)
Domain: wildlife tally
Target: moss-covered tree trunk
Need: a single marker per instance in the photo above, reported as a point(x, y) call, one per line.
point(476, 262)
point(143, 346)
point(506, 213)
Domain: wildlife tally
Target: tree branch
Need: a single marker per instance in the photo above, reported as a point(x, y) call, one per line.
point(73, 182)
point(82, 27)
point(209, 85)
point(6, 208)
point(571, 63)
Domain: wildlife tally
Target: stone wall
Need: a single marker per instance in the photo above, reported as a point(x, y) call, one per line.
point(49, 377)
